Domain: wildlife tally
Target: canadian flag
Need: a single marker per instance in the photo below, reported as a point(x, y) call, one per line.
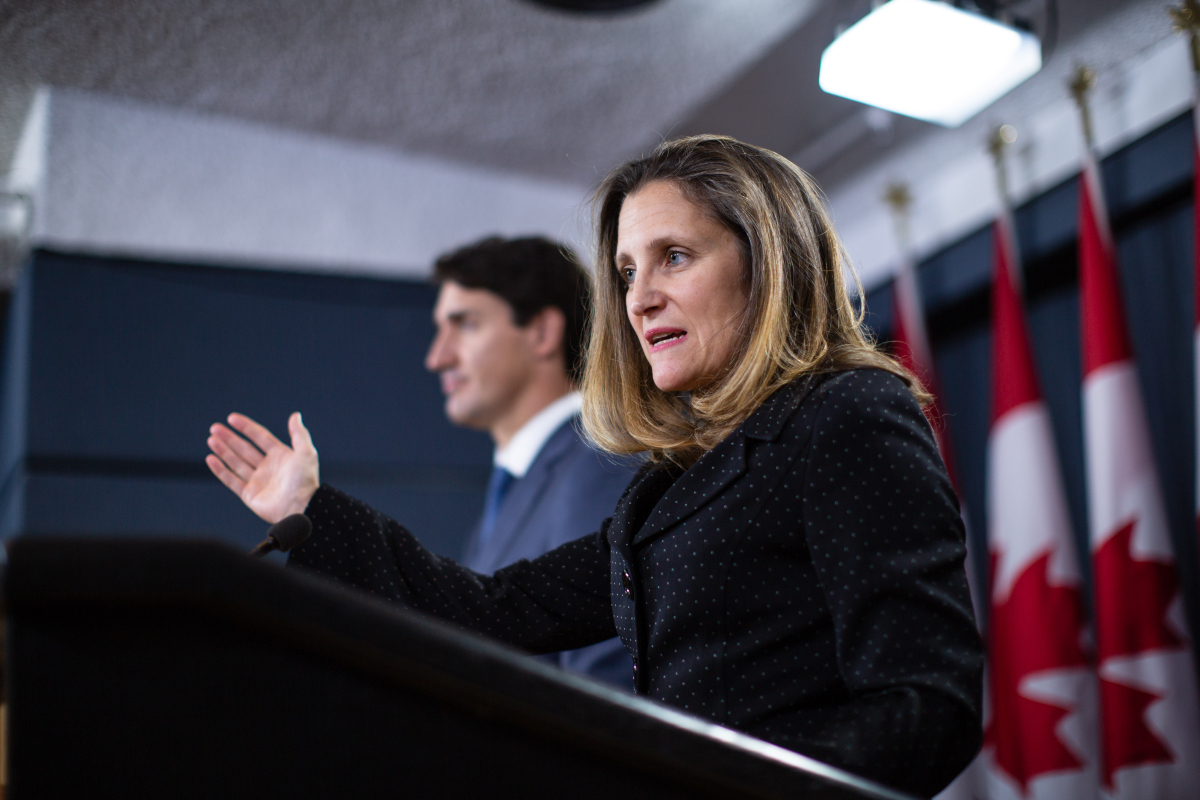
point(1149, 720)
point(1040, 740)
point(911, 348)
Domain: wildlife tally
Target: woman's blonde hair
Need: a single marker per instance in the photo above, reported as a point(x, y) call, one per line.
point(799, 320)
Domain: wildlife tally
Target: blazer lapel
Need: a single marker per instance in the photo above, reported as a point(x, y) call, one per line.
point(639, 500)
point(703, 481)
point(767, 422)
point(722, 465)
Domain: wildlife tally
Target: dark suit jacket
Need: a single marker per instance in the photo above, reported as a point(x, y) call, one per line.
point(569, 490)
point(802, 582)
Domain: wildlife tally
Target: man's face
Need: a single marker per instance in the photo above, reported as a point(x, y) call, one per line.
point(483, 358)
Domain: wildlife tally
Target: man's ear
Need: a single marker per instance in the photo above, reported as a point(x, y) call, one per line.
point(547, 330)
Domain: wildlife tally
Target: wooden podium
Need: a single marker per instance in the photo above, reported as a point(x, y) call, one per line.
point(178, 668)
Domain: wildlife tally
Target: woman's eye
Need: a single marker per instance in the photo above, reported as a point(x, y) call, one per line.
point(674, 257)
point(627, 274)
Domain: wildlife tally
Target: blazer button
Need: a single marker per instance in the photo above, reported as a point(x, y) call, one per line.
point(635, 672)
point(627, 583)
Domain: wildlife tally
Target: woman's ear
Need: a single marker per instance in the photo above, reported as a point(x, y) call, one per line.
point(547, 330)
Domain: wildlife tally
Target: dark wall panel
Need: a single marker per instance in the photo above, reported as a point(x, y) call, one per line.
point(191, 344)
point(118, 368)
point(1155, 256)
point(963, 370)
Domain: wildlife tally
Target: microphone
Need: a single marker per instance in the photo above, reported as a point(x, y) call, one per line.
point(284, 535)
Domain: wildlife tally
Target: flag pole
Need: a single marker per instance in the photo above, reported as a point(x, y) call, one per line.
point(1081, 85)
point(910, 311)
point(912, 347)
point(899, 200)
point(1185, 18)
point(998, 144)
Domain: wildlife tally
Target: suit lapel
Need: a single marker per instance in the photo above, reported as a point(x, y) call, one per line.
point(526, 493)
point(474, 547)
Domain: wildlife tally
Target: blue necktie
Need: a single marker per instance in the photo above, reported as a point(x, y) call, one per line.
point(497, 487)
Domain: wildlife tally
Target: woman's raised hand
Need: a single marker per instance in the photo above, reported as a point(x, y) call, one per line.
point(272, 479)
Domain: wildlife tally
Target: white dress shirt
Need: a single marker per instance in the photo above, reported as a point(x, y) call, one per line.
point(523, 448)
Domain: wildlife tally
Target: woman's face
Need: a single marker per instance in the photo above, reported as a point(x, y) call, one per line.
point(685, 282)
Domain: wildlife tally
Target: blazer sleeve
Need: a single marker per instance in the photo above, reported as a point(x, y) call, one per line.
point(886, 538)
point(558, 601)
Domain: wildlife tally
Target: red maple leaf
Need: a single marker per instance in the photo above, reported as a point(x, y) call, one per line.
point(1127, 740)
point(1132, 598)
point(1037, 628)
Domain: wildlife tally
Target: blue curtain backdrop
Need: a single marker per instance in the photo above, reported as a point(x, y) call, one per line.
point(1149, 190)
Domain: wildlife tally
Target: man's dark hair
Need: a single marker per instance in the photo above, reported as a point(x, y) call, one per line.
point(529, 274)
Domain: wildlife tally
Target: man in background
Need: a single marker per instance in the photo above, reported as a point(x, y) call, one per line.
point(510, 319)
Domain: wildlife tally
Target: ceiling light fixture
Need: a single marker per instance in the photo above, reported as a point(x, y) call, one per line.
point(929, 60)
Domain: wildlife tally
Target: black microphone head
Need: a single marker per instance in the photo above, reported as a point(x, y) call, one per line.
point(290, 531)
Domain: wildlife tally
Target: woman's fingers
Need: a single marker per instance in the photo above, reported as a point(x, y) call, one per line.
point(263, 438)
point(224, 475)
point(245, 451)
point(301, 440)
point(232, 461)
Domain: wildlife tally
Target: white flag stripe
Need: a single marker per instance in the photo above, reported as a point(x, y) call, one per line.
point(908, 301)
point(1122, 478)
point(1027, 509)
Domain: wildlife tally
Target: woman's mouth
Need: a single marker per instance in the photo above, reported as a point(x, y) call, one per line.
point(662, 338)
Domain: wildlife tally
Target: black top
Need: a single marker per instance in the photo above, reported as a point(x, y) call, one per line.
point(802, 582)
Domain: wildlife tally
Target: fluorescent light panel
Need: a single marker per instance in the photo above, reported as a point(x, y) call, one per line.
point(928, 60)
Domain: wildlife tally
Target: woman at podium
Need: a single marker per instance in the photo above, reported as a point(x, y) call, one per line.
point(789, 561)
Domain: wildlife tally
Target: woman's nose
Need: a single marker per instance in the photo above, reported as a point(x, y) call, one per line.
point(643, 298)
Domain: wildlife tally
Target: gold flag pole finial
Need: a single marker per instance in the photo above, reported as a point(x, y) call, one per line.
point(1001, 138)
point(1081, 84)
point(1185, 18)
point(897, 196)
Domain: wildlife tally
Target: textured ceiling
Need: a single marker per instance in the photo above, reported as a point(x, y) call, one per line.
point(501, 83)
point(498, 83)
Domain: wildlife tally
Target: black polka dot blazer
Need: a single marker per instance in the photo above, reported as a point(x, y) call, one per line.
point(802, 582)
